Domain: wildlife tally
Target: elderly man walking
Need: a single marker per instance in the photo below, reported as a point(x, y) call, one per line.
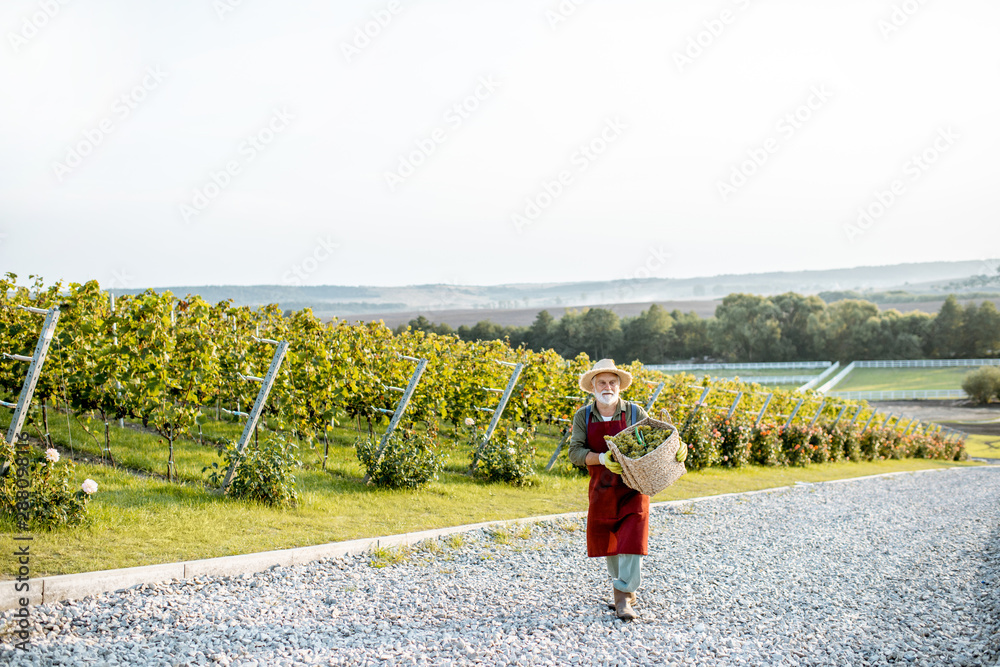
point(618, 516)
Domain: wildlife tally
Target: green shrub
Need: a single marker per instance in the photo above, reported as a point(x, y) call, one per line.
point(735, 441)
point(765, 446)
point(895, 445)
point(873, 441)
point(509, 458)
point(933, 446)
point(408, 462)
point(819, 445)
point(43, 500)
point(266, 473)
point(845, 444)
point(702, 441)
point(795, 444)
point(955, 451)
point(983, 384)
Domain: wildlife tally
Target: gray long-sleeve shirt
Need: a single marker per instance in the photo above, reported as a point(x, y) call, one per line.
point(578, 448)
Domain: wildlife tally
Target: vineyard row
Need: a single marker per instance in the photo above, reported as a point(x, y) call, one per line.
point(158, 359)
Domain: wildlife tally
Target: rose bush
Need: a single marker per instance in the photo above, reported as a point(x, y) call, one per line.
point(45, 499)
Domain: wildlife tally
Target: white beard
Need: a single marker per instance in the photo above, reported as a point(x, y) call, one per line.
point(609, 399)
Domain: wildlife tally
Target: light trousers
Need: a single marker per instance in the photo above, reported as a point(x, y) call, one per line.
point(625, 571)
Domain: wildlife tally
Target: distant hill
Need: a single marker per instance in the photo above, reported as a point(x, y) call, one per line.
point(928, 279)
point(523, 317)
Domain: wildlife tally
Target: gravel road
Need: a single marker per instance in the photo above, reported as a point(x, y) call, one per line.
point(901, 569)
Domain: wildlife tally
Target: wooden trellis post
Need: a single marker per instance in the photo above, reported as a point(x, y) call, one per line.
point(732, 408)
point(791, 417)
point(656, 395)
point(566, 436)
point(266, 383)
point(36, 361)
point(868, 423)
point(497, 411)
point(760, 415)
point(397, 414)
point(818, 412)
point(839, 415)
point(697, 406)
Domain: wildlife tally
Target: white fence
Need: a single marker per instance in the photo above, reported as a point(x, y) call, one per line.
point(898, 395)
point(783, 365)
point(837, 378)
point(775, 365)
point(926, 363)
point(773, 379)
point(816, 379)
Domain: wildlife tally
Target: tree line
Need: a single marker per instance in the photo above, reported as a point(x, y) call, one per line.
point(753, 328)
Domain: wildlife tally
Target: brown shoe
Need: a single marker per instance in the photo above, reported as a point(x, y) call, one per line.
point(631, 599)
point(622, 607)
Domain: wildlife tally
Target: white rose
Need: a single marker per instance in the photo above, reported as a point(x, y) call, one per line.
point(51, 455)
point(89, 486)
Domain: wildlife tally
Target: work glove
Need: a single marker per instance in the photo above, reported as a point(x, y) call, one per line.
point(610, 463)
point(682, 453)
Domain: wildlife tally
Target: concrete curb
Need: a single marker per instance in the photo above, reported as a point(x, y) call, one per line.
point(56, 588)
point(76, 586)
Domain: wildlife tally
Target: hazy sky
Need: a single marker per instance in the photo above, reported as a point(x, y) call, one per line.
point(397, 142)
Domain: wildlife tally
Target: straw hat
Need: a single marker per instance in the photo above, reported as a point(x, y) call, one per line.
point(604, 366)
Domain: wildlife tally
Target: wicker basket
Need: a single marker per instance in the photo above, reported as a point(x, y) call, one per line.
point(656, 470)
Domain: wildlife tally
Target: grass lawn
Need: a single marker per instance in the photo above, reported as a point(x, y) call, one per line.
point(899, 379)
point(728, 373)
point(773, 372)
point(983, 446)
point(140, 519)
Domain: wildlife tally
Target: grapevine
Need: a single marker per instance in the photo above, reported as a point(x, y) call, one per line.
point(162, 360)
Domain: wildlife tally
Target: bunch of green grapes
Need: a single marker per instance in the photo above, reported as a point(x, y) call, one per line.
point(640, 441)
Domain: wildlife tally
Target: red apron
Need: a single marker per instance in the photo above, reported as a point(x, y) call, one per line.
point(618, 518)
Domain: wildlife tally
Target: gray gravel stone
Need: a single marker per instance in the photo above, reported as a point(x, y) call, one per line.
point(888, 570)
